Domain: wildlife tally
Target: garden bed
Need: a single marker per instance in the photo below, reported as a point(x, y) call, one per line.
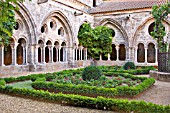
point(51, 82)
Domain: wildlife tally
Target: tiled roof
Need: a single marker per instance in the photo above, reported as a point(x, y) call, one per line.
point(125, 5)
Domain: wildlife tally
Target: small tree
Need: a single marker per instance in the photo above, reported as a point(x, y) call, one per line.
point(159, 14)
point(97, 40)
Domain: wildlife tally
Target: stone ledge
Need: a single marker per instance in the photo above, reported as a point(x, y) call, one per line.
point(162, 76)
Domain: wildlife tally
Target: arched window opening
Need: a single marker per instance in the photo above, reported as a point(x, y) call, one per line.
point(104, 57)
point(40, 53)
point(63, 52)
point(151, 53)
point(21, 52)
point(141, 53)
point(61, 31)
point(44, 28)
point(122, 52)
point(8, 55)
point(94, 3)
point(113, 33)
point(55, 52)
point(151, 28)
point(113, 54)
point(47, 51)
point(16, 27)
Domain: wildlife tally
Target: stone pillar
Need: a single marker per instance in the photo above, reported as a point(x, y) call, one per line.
point(43, 55)
point(146, 51)
point(66, 54)
point(136, 55)
point(76, 54)
point(14, 53)
point(1, 55)
point(108, 56)
point(100, 57)
point(127, 53)
point(50, 54)
point(81, 49)
point(36, 53)
point(59, 54)
point(24, 55)
point(56, 54)
point(79, 54)
point(117, 52)
point(86, 53)
point(156, 55)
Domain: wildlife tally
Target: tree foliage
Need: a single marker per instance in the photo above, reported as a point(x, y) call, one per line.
point(7, 20)
point(160, 13)
point(97, 40)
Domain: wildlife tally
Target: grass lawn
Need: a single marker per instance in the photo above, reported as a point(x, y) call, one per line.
point(23, 84)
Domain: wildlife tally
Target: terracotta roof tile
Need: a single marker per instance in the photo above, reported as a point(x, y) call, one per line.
point(125, 5)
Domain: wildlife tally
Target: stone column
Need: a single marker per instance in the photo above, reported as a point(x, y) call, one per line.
point(79, 54)
point(127, 53)
point(108, 56)
point(59, 54)
point(86, 53)
point(81, 49)
point(36, 53)
point(136, 55)
point(66, 54)
point(43, 55)
point(146, 52)
point(117, 52)
point(24, 55)
point(156, 55)
point(14, 53)
point(56, 54)
point(50, 54)
point(1, 55)
point(76, 54)
point(100, 57)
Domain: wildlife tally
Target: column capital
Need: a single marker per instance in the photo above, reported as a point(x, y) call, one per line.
point(14, 45)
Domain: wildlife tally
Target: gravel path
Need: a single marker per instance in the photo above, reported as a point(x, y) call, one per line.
point(159, 93)
point(9, 104)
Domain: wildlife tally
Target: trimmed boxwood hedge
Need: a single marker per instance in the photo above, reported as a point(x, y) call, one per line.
point(93, 90)
point(83, 101)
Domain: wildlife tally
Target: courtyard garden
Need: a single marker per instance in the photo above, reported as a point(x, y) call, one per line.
point(80, 87)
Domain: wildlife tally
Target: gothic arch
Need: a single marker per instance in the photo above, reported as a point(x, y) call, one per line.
point(141, 25)
point(115, 23)
point(29, 22)
point(65, 22)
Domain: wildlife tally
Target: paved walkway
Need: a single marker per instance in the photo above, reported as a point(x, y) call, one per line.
point(159, 93)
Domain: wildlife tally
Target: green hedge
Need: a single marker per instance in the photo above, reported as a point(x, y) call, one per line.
point(93, 90)
point(96, 103)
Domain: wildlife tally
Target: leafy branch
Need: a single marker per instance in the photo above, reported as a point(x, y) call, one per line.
point(7, 20)
point(160, 13)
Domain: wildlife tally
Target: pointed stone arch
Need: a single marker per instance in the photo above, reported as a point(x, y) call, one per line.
point(67, 26)
point(116, 24)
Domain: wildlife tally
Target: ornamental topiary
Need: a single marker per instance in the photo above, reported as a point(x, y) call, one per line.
point(91, 72)
point(129, 65)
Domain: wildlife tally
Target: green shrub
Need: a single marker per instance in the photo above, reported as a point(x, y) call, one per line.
point(2, 82)
point(50, 76)
point(91, 72)
point(129, 65)
point(40, 79)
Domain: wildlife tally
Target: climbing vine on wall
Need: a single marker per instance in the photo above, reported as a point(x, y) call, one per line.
point(160, 13)
point(7, 19)
point(97, 40)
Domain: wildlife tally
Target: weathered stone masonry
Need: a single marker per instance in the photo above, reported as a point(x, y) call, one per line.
point(45, 37)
